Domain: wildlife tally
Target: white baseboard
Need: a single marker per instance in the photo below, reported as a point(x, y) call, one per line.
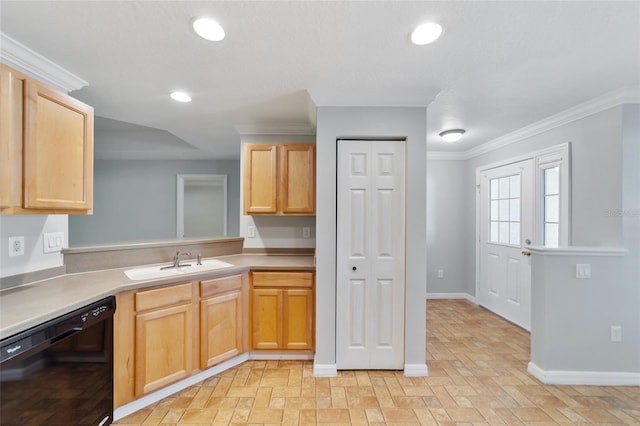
point(465, 296)
point(147, 400)
point(596, 378)
point(416, 370)
point(325, 370)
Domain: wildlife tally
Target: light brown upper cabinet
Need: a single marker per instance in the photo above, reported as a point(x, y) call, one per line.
point(46, 147)
point(279, 179)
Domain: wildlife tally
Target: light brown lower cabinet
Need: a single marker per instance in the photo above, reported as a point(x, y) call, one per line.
point(165, 334)
point(282, 310)
point(222, 311)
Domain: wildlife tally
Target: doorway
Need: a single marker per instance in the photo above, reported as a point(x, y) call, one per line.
point(201, 206)
point(370, 290)
point(520, 202)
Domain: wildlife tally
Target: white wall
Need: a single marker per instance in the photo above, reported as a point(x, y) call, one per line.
point(136, 199)
point(447, 204)
point(337, 122)
point(278, 231)
point(32, 228)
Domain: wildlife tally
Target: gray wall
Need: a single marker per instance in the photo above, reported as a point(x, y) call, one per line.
point(336, 122)
point(136, 199)
point(447, 235)
point(596, 180)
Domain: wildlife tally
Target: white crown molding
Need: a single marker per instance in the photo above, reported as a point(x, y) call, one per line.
point(625, 95)
point(273, 129)
point(19, 56)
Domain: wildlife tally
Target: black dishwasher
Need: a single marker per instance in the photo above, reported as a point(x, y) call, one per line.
point(60, 372)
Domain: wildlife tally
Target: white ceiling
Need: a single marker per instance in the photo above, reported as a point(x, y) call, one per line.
point(498, 67)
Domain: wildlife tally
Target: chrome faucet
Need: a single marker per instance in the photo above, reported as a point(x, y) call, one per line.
point(176, 260)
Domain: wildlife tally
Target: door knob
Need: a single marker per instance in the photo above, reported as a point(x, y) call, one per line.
point(354, 268)
point(526, 252)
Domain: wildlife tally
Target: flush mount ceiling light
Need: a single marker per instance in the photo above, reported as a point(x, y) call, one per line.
point(208, 29)
point(180, 97)
point(452, 135)
point(426, 33)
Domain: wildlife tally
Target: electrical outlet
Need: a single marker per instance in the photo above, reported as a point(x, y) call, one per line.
point(251, 231)
point(16, 246)
point(616, 333)
point(306, 232)
point(440, 273)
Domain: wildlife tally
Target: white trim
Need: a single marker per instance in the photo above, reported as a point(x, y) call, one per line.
point(19, 56)
point(578, 251)
point(625, 95)
point(218, 180)
point(465, 296)
point(325, 370)
point(298, 129)
point(596, 378)
point(416, 370)
point(147, 400)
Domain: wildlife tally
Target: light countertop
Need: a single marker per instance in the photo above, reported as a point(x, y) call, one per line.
point(31, 304)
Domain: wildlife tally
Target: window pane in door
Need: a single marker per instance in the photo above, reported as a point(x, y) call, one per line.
point(494, 209)
point(504, 187)
point(551, 209)
point(514, 210)
point(494, 232)
point(514, 233)
point(504, 232)
point(504, 210)
point(552, 180)
point(551, 235)
point(494, 189)
point(514, 186)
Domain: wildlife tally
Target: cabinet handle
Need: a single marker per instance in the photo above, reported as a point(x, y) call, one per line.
point(354, 268)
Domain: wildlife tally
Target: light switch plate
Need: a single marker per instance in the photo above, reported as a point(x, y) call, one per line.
point(52, 242)
point(583, 270)
point(251, 231)
point(306, 232)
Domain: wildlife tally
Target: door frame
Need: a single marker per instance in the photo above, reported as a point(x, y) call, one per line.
point(217, 180)
point(548, 157)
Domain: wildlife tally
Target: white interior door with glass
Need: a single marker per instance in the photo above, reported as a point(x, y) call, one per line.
point(506, 230)
point(370, 255)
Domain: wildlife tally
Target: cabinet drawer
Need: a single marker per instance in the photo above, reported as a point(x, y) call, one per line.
point(220, 285)
point(165, 296)
point(282, 279)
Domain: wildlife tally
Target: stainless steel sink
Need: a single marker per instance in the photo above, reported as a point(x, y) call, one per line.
point(150, 272)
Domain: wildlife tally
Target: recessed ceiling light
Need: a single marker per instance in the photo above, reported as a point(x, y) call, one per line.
point(452, 135)
point(208, 29)
point(180, 97)
point(426, 33)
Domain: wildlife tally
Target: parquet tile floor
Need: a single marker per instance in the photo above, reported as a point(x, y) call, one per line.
point(477, 376)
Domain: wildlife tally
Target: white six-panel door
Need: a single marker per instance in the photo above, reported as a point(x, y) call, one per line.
point(506, 230)
point(371, 255)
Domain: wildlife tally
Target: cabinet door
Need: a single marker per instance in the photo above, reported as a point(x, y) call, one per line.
point(267, 318)
point(297, 179)
point(11, 98)
point(58, 150)
point(298, 319)
point(220, 328)
point(260, 179)
point(164, 347)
